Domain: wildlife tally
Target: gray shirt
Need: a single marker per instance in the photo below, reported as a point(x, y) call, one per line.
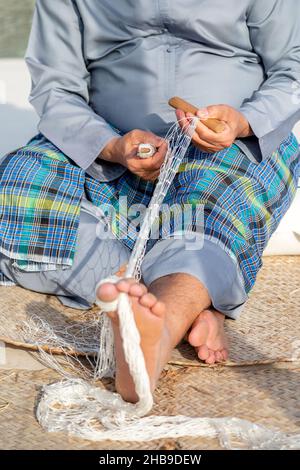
point(102, 63)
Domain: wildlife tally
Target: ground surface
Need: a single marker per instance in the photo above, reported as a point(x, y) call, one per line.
point(260, 383)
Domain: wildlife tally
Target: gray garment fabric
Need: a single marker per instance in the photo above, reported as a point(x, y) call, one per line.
point(97, 62)
point(94, 260)
point(97, 259)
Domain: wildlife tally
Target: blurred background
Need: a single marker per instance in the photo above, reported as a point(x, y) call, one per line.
point(15, 21)
point(18, 121)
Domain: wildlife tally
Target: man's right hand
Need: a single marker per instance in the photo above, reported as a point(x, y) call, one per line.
point(123, 150)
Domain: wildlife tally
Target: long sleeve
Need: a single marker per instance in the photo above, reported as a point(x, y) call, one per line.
point(274, 108)
point(60, 83)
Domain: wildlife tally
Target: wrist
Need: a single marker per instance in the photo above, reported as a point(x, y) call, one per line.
point(244, 129)
point(110, 152)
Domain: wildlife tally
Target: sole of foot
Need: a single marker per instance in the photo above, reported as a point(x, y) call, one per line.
point(149, 314)
point(208, 337)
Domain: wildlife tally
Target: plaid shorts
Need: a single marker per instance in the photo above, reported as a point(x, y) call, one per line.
point(242, 202)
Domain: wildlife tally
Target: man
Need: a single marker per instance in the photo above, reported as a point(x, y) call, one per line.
point(102, 74)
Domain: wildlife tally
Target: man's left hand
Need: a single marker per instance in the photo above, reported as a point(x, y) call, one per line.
point(235, 126)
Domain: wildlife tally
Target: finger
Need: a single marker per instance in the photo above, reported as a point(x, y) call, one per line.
point(145, 137)
point(152, 176)
point(224, 138)
point(163, 148)
point(154, 162)
point(182, 119)
point(206, 149)
point(149, 176)
point(179, 114)
point(148, 164)
point(206, 134)
point(157, 160)
point(151, 163)
point(219, 111)
point(206, 146)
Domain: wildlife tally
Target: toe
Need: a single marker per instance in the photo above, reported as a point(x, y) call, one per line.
point(137, 290)
point(124, 285)
point(211, 358)
point(148, 300)
point(224, 353)
point(107, 292)
point(203, 352)
point(159, 308)
point(219, 356)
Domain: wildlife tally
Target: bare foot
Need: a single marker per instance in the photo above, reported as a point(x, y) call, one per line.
point(208, 337)
point(149, 316)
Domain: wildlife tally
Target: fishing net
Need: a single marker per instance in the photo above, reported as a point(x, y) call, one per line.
point(81, 406)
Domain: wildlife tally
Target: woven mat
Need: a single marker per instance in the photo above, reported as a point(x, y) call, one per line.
point(268, 395)
point(268, 333)
point(269, 327)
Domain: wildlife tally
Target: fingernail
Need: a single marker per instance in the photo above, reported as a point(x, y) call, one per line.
point(203, 113)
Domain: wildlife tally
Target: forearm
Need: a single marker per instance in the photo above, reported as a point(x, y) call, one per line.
point(274, 108)
point(272, 105)
point(60, 83)
point(68, 122)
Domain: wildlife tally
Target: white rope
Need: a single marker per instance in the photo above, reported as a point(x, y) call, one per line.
point(86, 410)
point(146, 151)
point(73, 406)
point(107, 306)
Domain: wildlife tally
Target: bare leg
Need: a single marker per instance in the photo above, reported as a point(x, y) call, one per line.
point(207, 333)
point(163, 316)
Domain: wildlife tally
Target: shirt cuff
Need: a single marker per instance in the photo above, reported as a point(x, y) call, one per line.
point(269, 137)
point(82, 147)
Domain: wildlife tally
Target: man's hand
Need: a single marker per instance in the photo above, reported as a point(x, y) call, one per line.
point(235, 123)
point(124, 149)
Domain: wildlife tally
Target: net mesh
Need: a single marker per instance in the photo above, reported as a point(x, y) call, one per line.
point(81, 406)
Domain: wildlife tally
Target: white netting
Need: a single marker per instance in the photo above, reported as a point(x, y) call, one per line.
point(77, 408)
point(81, 407)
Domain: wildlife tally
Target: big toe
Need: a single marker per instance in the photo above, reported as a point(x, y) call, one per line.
point(107, 292)
point(203, 352)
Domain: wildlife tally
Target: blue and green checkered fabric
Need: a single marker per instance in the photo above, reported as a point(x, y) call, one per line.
point(242, 201)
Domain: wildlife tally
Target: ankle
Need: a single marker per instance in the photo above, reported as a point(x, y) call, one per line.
point(218, 315)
